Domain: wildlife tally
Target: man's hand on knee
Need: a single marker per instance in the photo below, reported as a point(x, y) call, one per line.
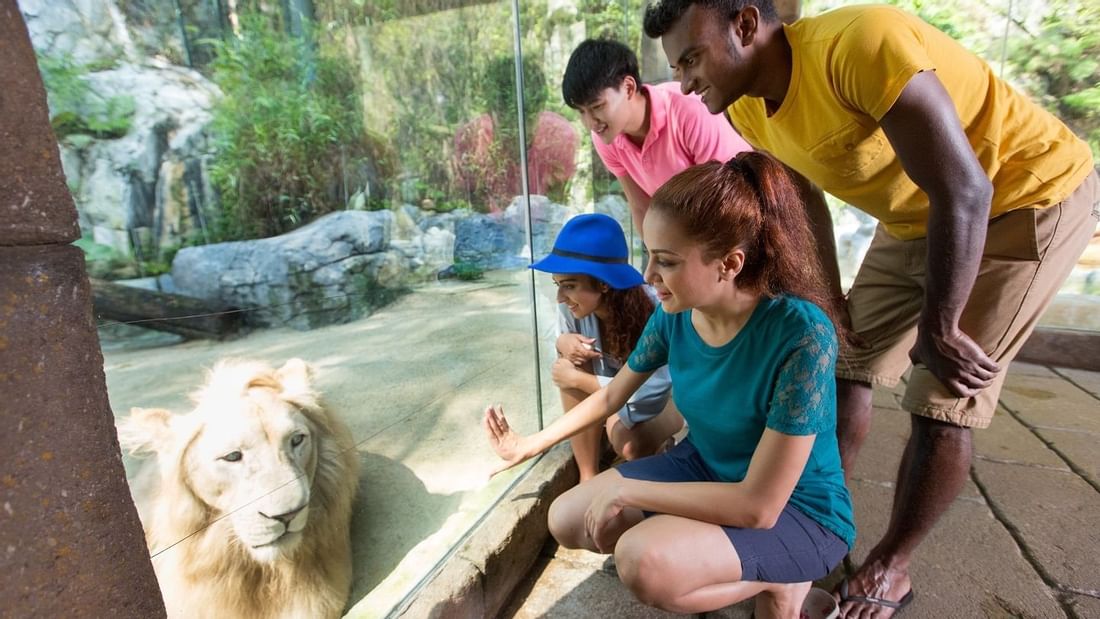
point(956, 360)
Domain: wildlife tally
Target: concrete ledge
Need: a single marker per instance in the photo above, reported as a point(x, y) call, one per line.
point(1065, 348)
point(477, 581)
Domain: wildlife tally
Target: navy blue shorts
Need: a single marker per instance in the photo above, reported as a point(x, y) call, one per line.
point(796, 549)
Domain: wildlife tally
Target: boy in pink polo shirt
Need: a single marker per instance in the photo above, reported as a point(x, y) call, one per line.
point(644, 134)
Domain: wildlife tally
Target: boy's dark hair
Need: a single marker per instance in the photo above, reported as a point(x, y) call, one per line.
point(595, 65)
point(663, 14)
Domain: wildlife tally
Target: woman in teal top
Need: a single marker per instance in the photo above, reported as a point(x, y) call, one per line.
point(753, 502)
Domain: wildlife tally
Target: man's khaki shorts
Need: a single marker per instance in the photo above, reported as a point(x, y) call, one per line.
point(1028, 254)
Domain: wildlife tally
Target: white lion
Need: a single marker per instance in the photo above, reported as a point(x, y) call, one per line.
point(250, 513)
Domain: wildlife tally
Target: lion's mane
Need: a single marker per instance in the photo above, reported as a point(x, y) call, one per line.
point(203, 567)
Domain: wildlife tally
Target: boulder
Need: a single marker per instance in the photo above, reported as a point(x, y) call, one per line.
point(615, 206)
point(151, 187)
point(90, 31)
point(336, 269)
point(428, 253)
point(153, 183)
point(444, 221)
point(489, 242)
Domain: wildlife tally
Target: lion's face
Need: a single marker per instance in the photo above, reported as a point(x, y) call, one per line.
point(254, 461)
point(248, 452)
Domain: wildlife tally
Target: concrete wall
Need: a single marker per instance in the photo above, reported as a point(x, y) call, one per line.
point(71, 544)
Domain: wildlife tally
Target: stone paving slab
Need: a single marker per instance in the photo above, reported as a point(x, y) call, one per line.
point(1085, 606)
point(569, 584)
point(1055, 513)
point(1089, 381)
point(883, 398)
point(1051, 402)
point(1079, 448)
point(969, 566)
point(1007, 440)
point(1021, 368)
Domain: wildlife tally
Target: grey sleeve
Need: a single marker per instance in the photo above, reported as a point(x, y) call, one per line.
point(652, 396)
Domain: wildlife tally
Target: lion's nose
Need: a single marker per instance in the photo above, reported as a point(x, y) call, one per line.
point(287, 517)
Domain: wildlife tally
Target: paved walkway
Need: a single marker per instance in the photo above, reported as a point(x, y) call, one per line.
point(1022, 540)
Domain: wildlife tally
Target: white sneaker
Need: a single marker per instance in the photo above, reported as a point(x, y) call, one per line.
point(819, 604)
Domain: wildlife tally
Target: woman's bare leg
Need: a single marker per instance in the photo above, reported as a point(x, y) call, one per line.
point(566, 517)
point(586, 444)
point(644, 439)
point(687, 566)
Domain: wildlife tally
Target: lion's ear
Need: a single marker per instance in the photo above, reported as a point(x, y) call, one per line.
point(295, 377)
point(146, 430)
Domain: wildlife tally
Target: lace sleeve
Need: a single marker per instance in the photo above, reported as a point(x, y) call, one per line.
point(804, 401)
point(651, 351)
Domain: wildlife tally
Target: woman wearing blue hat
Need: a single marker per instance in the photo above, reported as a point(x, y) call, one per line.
point(603, 306)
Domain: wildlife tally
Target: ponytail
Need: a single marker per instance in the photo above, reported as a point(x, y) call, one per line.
point(752, 203)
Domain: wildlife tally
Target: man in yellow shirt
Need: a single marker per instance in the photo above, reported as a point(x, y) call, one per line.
point(985, 202)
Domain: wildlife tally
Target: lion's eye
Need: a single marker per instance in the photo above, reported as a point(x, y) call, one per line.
point(297, 439)
point(233, 456)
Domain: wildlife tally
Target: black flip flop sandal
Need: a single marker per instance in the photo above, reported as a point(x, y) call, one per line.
point(867, 599)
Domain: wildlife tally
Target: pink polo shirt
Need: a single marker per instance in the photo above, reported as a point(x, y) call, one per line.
point(682, 133)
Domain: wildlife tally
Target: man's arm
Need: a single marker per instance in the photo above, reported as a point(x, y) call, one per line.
point(638, 200)
point(927, 136)
point(821, 224)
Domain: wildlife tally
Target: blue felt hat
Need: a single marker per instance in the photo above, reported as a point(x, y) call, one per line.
point(592, 244)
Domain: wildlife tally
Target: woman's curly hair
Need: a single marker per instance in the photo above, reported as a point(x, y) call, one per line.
point(629, 310)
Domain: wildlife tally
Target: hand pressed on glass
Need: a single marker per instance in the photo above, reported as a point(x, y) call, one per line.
point(507, 444)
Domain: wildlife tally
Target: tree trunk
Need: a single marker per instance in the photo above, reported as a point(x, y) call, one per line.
point(186, 316)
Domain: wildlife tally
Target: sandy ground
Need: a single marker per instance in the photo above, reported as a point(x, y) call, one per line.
point(411, 381)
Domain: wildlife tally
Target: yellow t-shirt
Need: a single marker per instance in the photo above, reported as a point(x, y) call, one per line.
point(849, 67)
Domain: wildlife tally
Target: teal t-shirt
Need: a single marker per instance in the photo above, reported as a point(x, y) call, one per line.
point(778, 372)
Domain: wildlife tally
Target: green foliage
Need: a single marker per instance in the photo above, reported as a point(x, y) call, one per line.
point(447, 206)
point(288, 130)
point(617, 19)
point(499, 94)
point(1059, 65)
point(75, 109)
point(103, 261)
point(467, 271)
point(95, 251)
point(426, 75)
